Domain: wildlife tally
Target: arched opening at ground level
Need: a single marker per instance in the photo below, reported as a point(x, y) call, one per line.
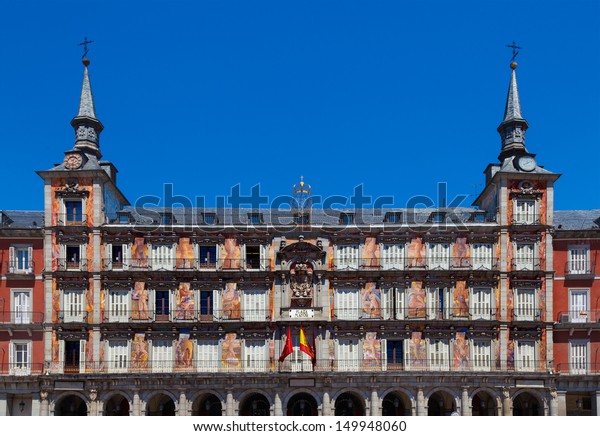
point(71, 405)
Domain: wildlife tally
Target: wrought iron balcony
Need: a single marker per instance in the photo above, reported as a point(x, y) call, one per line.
point(526, 264)
point(20, 370)
point(527, 314)
point(439, 263)
point(578, 367)
point(180, 264)
point(71, 219)
point(416, 313)
point(526, 219)
point(192, 315)
point(63, 264)
point(581, 269)
point(21, 317)
point(578, 316)
point(19, 267)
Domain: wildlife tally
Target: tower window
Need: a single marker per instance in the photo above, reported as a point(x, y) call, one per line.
point(73, 212)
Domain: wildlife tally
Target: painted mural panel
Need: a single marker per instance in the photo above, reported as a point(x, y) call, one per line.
point(139, 254)
point(89, 301)
point(542, 255)
point(330, 256)
point(542, 301)
point(543, 351)
point(460, 299)
point(416, 300)
point(184, 302)
point(510, 253)
point(231, 254)
point(416, 253)
point(331, 301)
point(139, 297)
point(497, 296)
point(89, 351)
point(184, 352)
point(370, 301)
point(370, 253)
point(80, 185)
point(55, 302)
point(231, 302)
point(55, 253)
point(231, 351)
point(184, 254)
point(55, 366)
point(331, 349)
point(497, 353)
point(510, 357)
point(102, 305)
point(460, 253)
point(509, 302)
point(272, 352)
point(461, 351)
point(417, 351)
point(139, 352)
point(371, 351)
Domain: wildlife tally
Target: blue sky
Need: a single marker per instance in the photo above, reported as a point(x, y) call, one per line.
point(394, 95)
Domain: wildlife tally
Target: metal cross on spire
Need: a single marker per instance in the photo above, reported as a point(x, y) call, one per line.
point(85, 46)
point(515, 50)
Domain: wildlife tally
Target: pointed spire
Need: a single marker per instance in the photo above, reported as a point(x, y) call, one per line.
point(87, 126)
point(513, 127)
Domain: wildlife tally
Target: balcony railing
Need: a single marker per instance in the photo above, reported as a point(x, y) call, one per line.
point(527, 314)
point(581, 367)
point(71, 264)
point(71, 219)
point(526, 219)
point(179, 264)
point(578, 316)
point(18, 370)
point(414, 263)
point(19, 267)
point(167, 315)
point(580, 268)
point(526, 264)
point(20, 317)
point(418, 313)
point(74, 315)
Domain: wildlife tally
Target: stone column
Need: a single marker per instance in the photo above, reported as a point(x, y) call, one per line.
point(421, 403)
point(326, 407)
point(136, 406)
point(465, 407)
point(506, 403)
point(35, 407)
point(561, 398)
point(4, 404)
point(44, 406)
point(375, 404)
point(277, 409)
point(597, 405)
point(229, 404)
point(553, 402)
point(182, 405)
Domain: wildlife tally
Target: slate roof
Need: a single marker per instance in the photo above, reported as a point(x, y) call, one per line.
point(577, 219)
point(21, 219)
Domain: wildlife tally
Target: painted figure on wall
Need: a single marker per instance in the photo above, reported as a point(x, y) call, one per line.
point(416, 253)
point(231, 302)
point(460, 299)
point(139, 254)
point(184, 254)
point(55, 351)
point(89, 351)
point(231, 351)
point(370, 254)
point(231, 254)
point(184, 352)
point(417, 351)
point(543, 351)
point(139, 352)
point(416, 300)
point(370, 301)
point(461, 351)
point(55, 253)
point(184, 302)
point(510, 357)
point(89, 303)
point(371, 350)
point(55, 302)
point(140, 301)
point(460, 253)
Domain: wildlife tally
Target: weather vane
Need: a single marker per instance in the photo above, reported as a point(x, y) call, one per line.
point(85, 46)
point(515, 50)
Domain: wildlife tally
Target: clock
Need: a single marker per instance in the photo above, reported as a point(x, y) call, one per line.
point(73, 161)
point(526, 163)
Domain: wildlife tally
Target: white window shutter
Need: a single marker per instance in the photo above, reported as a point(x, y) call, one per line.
point(82, 344)
point(12, 258)
point(216, 302)
point(11, 356)
point(152, 304)
point(108, 257)
point(400, 309)
point(61, 355)
point(407, 354)
point(386, 303)
point(126, 256)
point(264, 257)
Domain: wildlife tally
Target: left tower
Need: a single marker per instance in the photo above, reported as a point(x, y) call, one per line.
point(80, 195)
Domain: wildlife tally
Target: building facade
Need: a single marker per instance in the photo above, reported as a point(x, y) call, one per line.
point(297, 312)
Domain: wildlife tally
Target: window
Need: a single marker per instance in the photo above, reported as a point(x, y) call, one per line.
point(347, 355)
point(20, 259)
point(481, 256)
point(578, 305)
point(209, 218)
point(255, 218)
point(394, 354)
point(162, 257)
point(21, 306)
point(20, 358)
point(392, 256)
point(162, 356)
point(118, 356)
point(438, 303)
point(208, 355)
point(123, 218)
point(578, 356)
point(524, 212)
point(481, 352)
point(162, 305)
point(118, 306)
point(399, 306)
point(481, 303)
point(73, 213)
point(524, 257)
point(208, 256)
point(579, 260)
point(346, 256)
point(393, 217)
point(438, 256)
point(118, 256)
point(73, 306)
point(437, 217)
point(301, 218)
point(74, 355)
point(208, 311)
point(525, 355)
point(256, 257)
point(524, 304)
point(347, 303)
point(73, 258)
point(439, 355)
point(346, 218)
point(166, 219)
point(255, 356)
point(255, 306)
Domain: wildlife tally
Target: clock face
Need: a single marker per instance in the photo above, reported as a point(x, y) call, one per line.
point(527, 163)
point(73, 161)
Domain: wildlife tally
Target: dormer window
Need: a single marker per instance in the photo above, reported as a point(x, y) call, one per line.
point(209, 218)
point(393, 217)
point(166, 219)
point(346, 218)
point(437, 217)
point(123, 218)
point(255, 218)
point(301, 218)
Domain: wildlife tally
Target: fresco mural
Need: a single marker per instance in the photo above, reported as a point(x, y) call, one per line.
point(510, 354)
point(184, 254)
point(417, 256)
point(460, 299)
point(417, 351)
point(139, 352)
point(497, 353)
point(542, 255)
point(542, 357)
point(370, 253)
point(89, 351)
point(370, 301)
point(331, 301)
point(509, 302)
point(330, 256)
point(55, 253)
point(55, 365)
point(102, 305)
point(139, 306)
point(184, 302)
point(371, 351)
point(230, 302)
point(271, 342)
point(139, 254)
point(510, 253)
point(89, 301)
point(55, 302)
point(460, 253)
point(416, 300)
point(231, 351)
point(184, 352)
point(497, 296)
point(81, 184)
point(542, 301)
point(461, 351)
point(231, 254)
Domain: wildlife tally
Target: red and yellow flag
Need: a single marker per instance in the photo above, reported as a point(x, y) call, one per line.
point(305, 345)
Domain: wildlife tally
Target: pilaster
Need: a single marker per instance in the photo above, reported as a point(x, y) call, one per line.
point(421, 403)
point(375, 403)
point(465, 407)
point(277, 409)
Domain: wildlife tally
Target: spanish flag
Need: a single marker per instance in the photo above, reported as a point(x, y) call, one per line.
point(306, 347)
point(288, 348)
